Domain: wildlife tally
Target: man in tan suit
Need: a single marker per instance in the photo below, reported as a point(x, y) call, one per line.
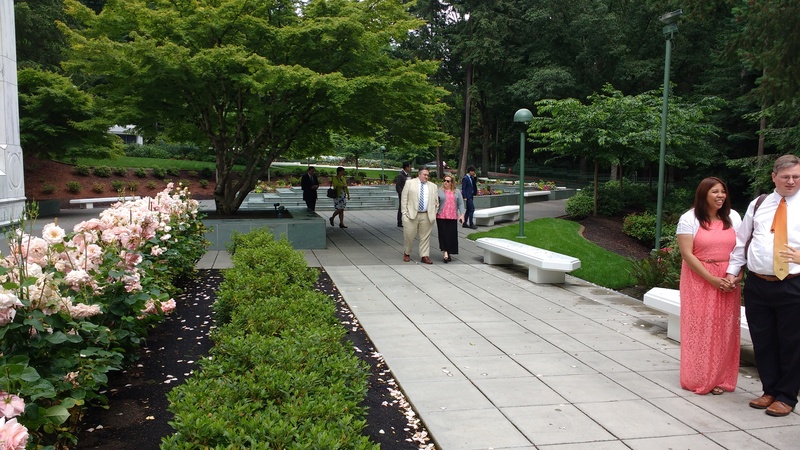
point(419, 203)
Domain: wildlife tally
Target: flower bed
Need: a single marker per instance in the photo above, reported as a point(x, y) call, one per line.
point(73, 305)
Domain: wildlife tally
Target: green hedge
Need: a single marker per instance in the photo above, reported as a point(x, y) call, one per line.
point(279, 375)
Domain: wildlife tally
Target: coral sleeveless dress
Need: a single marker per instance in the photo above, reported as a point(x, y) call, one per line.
point(710, 322)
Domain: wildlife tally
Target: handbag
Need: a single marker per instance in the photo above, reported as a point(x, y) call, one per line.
point(331, 192)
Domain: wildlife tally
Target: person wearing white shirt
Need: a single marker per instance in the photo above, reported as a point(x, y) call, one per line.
point(419, 203)
point(771, 293)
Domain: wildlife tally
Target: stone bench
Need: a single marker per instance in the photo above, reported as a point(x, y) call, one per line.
point(668, 301)
point(487, 216)
point(544, 266)
point(88, 203)
point(536, 193)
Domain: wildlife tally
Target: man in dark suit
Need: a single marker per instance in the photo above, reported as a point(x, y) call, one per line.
point(399, 183)
point(310, 183)
point(469, 188)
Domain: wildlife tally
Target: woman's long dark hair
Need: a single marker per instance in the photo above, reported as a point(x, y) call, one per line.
point(701, 203)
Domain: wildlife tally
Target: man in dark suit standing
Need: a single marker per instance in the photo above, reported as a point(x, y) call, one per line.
point(310, 183)
point(399, 183)
point(469, 187)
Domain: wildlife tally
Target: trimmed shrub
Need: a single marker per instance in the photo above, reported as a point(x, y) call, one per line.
point(120, 171)
point(132, 186)
point(102, 171)
point(159, 173)
point(579, 206)
point(173, 171)
point(98, 187)
point(83, 171)
point(73, 187)
point(152, 184)
point(661, 269)
point(204, 183)
point(118, 185)
point(140, 172)
point(207, 173)
point(279, 372)
point(48, 188)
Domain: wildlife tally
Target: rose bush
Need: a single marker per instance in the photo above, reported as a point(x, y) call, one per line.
point(73, 305)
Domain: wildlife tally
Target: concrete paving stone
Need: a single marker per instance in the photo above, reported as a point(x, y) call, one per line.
point(643, 360)
point(740, 440)
point(459, 345)
point(556, 424)
point(501, 328)
point(405, 347)
point(588, 387)
point(783, 437)
point(473, 429)
point(449, 394)
point(567, 343)
point(525, 391)
point(544, 310)
point(489, 367)
point(525, 344)
point(640, 385)
point(546, 364)
point(599, 362)
point(537, 326)
point(601, 445)
point(381, 326)
point(618, 418)
point(609, 341)
point(206, 261)
point(669, 380)
point(693, 442)
point(473, 315)
point(579, 325)
point(697, 417)
point(440, 315)
point(425, 368)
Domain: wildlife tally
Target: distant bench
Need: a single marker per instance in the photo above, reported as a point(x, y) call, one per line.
point(669, 301)
point(536, 193)
point(88, 203)
point(544, 266)
point(487, 216)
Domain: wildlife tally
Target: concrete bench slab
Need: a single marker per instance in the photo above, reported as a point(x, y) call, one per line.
point(488, 216)
point(544, 266)
point(668, 301)
point(88, 203)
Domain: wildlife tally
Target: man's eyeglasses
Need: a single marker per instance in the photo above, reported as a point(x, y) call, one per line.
point(789, 177)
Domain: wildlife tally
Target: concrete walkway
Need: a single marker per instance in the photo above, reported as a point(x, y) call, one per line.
point(492, 360)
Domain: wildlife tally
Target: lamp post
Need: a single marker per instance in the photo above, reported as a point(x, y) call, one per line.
point(670, 21)
point(383, 157)
point(524, 116)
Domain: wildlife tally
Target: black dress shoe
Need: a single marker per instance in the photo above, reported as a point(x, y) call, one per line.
point(474, 227)
point(465, 226)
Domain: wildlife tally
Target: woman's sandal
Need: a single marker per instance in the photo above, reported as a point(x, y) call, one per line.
point(717, 391)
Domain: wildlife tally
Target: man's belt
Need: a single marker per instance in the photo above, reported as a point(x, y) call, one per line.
point(774, 278)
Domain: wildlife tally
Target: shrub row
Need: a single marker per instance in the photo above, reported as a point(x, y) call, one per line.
point(279, 375)
point(158, 172)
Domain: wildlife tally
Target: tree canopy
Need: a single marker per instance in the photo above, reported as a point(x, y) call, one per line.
point(257, 80)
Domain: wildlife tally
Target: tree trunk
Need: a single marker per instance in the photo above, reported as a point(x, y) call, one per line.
point(462, 165)
point(484, 142)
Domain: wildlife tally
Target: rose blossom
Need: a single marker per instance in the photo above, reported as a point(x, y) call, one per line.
point(11, 405)
point(13, 436)
point(52, 233)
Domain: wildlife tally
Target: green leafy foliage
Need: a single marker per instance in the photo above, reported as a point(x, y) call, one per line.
point(278, 372)
point(661, 269)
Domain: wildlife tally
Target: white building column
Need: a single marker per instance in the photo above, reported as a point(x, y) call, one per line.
point(12, 179)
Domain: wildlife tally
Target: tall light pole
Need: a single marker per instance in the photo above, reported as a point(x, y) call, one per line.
point(524, 116)
point(383, 156)
point(670, 21)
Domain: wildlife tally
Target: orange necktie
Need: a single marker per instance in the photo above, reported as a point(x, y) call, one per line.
point(781, 238)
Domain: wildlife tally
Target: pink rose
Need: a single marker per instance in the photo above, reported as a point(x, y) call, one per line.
point(13, 436)
point(11, 405)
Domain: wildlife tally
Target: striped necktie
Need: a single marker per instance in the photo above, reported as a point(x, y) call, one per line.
point(421, 197)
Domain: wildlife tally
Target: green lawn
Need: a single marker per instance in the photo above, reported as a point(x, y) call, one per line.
point(598, 265)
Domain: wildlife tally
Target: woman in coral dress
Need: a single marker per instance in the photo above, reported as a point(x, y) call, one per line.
point(710, 305)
